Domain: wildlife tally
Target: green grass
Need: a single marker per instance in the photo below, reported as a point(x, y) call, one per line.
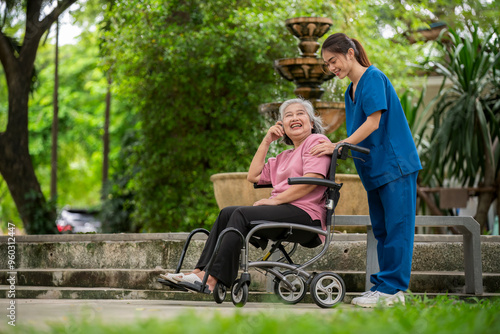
point(421, 315)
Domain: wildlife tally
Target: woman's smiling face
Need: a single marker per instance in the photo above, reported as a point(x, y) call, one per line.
point(296, 122)
point(337, 63)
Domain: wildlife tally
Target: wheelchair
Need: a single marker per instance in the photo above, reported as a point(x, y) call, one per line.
point(291, 280)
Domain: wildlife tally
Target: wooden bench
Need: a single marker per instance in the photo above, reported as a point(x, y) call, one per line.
point(468, 226)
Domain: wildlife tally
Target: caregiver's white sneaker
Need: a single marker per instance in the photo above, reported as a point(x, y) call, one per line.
point(365, 294)
point(380, 298)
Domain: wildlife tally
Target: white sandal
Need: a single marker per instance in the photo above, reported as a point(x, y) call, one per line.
point(191, 278)
point(193, 283)
point(174, 278)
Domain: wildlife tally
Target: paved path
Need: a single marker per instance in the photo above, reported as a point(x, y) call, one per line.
point(38, 312)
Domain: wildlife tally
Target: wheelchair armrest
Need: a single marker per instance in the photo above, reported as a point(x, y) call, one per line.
point(315, 181)
point(257, 186)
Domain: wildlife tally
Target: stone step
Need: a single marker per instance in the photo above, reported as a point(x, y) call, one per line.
point(147, 251)
point(98, 278)
point(49, 292)
point(128, 265)
point(141, 279)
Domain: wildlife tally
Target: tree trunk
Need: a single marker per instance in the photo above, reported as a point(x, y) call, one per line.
point(105, 139)
point(16, 166)
point(55, 122)
point(486, 198)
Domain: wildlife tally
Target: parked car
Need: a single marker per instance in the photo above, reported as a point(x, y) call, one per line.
point(78, 221)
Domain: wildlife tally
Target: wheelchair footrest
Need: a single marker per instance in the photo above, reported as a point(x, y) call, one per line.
point(195, 287)
point(171, 285)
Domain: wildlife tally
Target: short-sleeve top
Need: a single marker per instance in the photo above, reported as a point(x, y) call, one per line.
point(392, 150)
point(296, 163)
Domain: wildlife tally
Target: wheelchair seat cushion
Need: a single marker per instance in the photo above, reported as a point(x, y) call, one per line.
point(304, 238)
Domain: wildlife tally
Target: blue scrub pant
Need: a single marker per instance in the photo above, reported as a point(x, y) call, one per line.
point(392, 214)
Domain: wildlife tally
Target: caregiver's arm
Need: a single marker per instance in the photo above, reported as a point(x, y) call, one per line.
point(371, 124)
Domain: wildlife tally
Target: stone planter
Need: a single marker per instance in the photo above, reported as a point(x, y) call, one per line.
point(234, 189)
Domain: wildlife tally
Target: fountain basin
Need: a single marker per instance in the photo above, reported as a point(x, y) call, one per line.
point(332, 114)
point(308, 30)
point(306, 73)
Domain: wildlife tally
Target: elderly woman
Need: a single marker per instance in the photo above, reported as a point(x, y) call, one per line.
point(300, 204)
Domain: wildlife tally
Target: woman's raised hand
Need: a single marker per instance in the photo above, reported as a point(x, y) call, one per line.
point(275, 132)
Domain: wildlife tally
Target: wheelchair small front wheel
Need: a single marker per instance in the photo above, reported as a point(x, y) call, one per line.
point(327, 289)
point(287, 295)
point(219, 293)
point(239, 296)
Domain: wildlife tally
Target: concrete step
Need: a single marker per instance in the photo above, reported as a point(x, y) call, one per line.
point(141, 279)
point(147, 251)
point(129, 264)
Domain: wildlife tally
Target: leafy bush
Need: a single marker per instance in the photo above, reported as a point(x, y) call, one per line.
point(198, 73)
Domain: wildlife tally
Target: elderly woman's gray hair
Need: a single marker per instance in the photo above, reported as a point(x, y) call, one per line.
point(316, 120)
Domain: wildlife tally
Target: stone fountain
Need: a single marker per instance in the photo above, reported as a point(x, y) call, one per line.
point(306, 73)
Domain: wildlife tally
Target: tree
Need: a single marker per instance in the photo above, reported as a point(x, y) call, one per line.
point(18, 62)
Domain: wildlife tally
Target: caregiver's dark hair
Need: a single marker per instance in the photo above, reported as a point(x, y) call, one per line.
point(341, 43)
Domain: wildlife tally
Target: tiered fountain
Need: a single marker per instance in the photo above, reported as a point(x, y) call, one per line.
point(306, 72)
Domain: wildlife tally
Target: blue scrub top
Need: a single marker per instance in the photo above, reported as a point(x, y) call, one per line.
point(392, 149)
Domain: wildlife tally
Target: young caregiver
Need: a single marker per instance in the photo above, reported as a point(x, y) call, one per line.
point(375, 120)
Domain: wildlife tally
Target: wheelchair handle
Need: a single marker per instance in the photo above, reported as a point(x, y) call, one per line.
point(353, 147)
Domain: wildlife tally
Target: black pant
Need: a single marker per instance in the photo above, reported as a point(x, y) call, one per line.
point(226, 264)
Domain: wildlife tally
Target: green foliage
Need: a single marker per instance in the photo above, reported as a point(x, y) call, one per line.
point(39, 214)
point(417, 114)
point(119, 205)
point(421, 315)
point(81, 108)
point(8, 211)
point(198, 73)
point(4, 101)
point(466, 114)
point(82, 89)
point(414, 15)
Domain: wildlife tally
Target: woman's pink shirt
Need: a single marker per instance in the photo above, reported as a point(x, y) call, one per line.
point(296, 163)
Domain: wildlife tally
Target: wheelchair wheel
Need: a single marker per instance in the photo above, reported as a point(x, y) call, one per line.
point(239, 297)
point(286, 295)
point(327, 289)
point(219, 293)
